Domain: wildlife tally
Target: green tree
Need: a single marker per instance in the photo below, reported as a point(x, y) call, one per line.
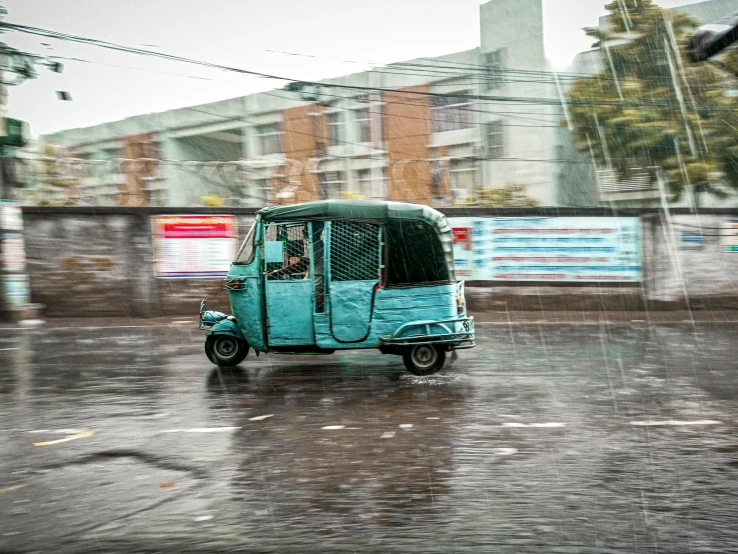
point(650, 108)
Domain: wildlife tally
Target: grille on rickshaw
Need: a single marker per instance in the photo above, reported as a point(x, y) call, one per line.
point(355, 251)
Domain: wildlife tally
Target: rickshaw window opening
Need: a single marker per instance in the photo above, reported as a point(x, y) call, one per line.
point(287, 254)
point(355, 251)
point(246, 253)
point(416, 255)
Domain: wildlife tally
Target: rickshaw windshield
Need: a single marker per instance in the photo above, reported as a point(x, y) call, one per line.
point(246, 253)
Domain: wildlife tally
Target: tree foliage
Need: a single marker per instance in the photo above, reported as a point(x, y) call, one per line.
point(650, 108)
point(512, 196)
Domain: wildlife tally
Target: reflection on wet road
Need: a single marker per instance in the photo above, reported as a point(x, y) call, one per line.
point(543, 439)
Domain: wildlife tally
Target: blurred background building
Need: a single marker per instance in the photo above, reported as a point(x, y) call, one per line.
point(430, 130)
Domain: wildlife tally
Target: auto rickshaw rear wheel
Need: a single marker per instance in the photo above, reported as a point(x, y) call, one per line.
point(225, 350)
point(424, 359)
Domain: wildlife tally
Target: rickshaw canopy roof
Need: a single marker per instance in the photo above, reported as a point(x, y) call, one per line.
point(358, 209)
point(407, 227)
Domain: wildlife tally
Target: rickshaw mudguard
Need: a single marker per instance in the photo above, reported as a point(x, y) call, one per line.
point(457, 331)
point(227, 327)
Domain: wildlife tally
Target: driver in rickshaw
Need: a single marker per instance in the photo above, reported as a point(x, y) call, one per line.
point(299, 264)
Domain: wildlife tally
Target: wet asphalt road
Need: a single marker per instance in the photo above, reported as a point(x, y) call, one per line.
point(590, 438)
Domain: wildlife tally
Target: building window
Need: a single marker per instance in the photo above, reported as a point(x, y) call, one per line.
point(365, 183)
point(269, 138)
point(336, 127)
point(463, 176)
point(451, 113)
point(495, 140)
point(364, 124)
point(334, 183)
point(258, 192)
point(494, 66)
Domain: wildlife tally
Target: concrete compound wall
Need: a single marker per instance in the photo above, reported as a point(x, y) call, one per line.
point(707, 275)
point(99, 262)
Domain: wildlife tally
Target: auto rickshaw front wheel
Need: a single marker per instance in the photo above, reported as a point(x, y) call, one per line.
point(424, 359)
point(225, 350)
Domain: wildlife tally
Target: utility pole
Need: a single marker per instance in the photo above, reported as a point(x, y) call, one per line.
point(15, 68)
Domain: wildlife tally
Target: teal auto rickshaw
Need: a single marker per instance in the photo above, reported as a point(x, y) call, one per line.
point(333, 275)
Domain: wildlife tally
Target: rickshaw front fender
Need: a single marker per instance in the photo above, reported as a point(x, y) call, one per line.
point(227, 326)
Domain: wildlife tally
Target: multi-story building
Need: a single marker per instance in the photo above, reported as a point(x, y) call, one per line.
point(428, 130)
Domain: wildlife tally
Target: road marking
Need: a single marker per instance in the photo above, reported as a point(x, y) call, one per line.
point(506, 451)
point(6, 349)
point(261, 417)
point(406, 426)
point(12, 486)
point(155, 416)
point(675, 423)
point(539, 425)
point(203, 430)
point(76, 436)
point(57, 431)
point(73, 328)
point(388, 435)
point(212, 429)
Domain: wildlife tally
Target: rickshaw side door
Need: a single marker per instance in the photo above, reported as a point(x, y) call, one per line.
point(355, 262)
point(288, 285)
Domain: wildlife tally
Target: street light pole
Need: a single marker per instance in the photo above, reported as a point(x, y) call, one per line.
point(712, 38)
point(15, 68)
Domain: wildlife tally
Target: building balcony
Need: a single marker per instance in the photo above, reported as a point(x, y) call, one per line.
point(641, 186)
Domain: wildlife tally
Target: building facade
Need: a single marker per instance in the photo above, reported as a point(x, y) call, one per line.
point(430, 130)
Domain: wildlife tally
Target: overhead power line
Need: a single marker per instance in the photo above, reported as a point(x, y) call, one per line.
point(162, 55)
point(82, 60)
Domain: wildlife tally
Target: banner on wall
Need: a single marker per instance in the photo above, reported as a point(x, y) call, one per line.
point(548, 249)
point(12, 216)
point(14, 253)
point(692, 240)
point(729, 235)
point(16, 288)
point(194, 245)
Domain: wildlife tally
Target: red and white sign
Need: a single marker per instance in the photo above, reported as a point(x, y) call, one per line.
point(194, 245)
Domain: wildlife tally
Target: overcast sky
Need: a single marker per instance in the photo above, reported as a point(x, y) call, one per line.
point(335, 37)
